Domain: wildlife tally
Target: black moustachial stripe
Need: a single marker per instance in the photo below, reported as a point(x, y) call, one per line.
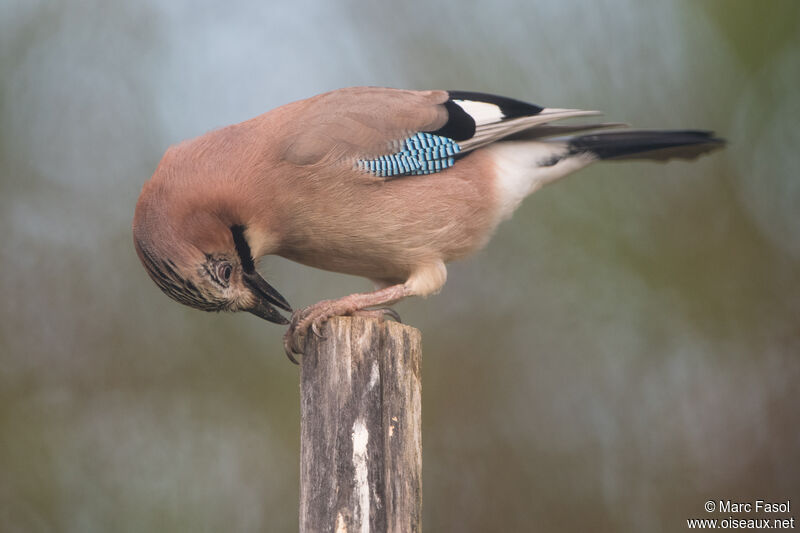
point(243, 249)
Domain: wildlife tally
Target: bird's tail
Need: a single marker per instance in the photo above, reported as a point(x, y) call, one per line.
point(545, 154)
point(655, 145)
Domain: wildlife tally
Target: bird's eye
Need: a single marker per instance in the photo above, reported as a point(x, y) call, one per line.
point(224, 271)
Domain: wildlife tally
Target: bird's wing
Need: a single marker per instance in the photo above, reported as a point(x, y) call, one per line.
point(392, 133)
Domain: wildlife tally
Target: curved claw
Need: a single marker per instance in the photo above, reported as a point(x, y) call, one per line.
point(380, 313)
point(287, 347)
point(292, 358)
point(315, 330)
point(290, 339)
point(392, 313)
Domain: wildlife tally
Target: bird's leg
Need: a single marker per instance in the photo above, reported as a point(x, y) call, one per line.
point(315, 315)
point(424, 280)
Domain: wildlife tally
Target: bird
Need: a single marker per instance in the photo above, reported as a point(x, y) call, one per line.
point(387, 184)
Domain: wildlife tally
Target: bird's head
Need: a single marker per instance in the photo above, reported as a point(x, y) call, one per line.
point(201, 259)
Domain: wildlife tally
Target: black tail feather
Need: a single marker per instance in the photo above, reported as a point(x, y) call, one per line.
point(658, 145)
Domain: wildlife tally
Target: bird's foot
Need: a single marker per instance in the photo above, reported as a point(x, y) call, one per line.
point(379, 313)
point(312, 318)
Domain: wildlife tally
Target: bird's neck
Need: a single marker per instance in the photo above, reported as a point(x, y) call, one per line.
point(226, 203)
point(225, 184)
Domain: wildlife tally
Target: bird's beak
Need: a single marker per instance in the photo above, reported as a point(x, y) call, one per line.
point(266, 298)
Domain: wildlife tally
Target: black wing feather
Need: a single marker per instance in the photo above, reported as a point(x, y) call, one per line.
point(510, 107)
point(461, 126)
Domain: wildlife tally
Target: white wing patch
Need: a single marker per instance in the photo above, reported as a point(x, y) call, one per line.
point(481, 112)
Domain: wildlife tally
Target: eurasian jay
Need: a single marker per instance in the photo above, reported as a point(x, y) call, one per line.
point(381, 183)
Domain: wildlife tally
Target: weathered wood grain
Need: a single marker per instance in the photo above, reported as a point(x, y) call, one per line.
point(361, 439)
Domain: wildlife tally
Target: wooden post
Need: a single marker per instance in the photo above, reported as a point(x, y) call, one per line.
point(360, 434)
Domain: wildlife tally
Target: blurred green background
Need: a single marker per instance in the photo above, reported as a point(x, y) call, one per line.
point(626, 348)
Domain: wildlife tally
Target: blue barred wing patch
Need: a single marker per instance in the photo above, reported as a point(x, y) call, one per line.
point(423, 153)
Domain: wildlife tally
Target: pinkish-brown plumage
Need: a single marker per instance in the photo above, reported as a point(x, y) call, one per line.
point(291, 182)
